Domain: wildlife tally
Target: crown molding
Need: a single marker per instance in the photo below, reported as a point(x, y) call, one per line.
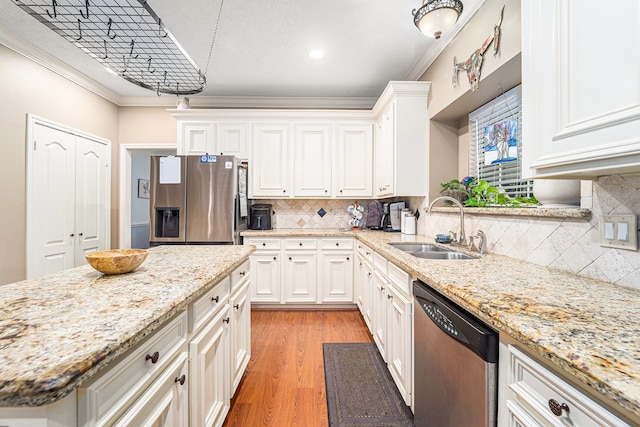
point(253, 102)
point(56, 66)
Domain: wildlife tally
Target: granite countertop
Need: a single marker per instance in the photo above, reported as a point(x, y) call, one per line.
point(59, 330)
point(586, 328)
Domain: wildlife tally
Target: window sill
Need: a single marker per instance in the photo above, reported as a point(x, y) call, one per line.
point(537, 212)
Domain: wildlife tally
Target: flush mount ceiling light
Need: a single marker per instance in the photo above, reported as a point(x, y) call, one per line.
point(125, 36)
point(316, 54)
point(436, 17)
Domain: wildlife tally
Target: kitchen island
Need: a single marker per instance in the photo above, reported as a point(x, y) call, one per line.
point(57, 332)
point(585, 329)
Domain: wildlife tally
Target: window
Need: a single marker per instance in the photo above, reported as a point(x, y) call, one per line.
point(495, 148)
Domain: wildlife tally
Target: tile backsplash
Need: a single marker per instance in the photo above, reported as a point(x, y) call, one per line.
point(566, 244)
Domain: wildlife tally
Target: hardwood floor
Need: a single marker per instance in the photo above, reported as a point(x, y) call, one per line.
point(284, 383)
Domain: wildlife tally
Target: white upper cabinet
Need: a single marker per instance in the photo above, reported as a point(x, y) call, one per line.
point(354, 160)
point(270, 160)
point(312, 164)
point(581, 87)
point(196, 138)
point(403, 139)
point(232, 139)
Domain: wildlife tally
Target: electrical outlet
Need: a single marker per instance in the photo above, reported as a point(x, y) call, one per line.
point(619, 231)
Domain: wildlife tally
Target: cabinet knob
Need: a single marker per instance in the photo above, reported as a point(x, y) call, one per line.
point(558, 408)
point(341, 191)
point(300, 243)
point(80, 234)
point(264, 244)
point(226, 320)
point(275, 259)
point(71, 235)
point(284, 191)
point(326, 191)
point(236, 306)
point(154, 358)
point(242, 273)
point(216, 298)
point(289, 258)
point(180, 379)
point(389, 296)
point(348, 258)
point(337, 244)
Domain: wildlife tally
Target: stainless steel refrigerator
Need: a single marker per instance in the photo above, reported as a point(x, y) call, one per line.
point(197, 200)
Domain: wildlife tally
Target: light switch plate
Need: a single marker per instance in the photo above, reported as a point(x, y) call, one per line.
point(619, 231)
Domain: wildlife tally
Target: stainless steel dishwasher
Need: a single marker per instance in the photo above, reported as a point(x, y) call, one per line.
point(455, 364)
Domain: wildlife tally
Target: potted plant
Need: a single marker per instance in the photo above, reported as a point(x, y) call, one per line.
point(459, 190)
point(479, 193)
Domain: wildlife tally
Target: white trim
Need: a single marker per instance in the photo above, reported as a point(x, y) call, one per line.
point(124, 205)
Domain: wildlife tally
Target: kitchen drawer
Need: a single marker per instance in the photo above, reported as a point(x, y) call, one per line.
point(534, 386)
point(380, 263)
point(366, 252)
point(239, 274)
point(264, 244)
point(103, 399)
point(341, 244)
point(300, 244)
point(206, 306)
point(401, 279)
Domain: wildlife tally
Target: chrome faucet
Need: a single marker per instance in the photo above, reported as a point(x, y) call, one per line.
point(462, 239)
point(481, 236)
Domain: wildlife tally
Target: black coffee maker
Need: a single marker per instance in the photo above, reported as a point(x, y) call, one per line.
point(260, 216)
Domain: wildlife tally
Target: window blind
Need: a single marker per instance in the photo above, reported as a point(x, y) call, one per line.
point(489, 126)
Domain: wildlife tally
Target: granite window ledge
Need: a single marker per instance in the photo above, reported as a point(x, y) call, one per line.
point(537, 212)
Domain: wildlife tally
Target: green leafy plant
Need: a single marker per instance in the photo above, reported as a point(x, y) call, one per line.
point(478, 193)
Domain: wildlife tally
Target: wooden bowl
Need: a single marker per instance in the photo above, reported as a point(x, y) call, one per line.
point(117, 261)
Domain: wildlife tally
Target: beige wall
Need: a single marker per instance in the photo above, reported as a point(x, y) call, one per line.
point(141, 125)
point(450, 106)
point(30, 88)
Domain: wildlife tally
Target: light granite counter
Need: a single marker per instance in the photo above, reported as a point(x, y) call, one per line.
point(57, 331)
point(586, 328)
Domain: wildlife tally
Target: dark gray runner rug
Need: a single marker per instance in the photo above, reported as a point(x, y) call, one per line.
point(360, 390)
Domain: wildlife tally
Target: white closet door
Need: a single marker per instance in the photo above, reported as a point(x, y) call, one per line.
point(91, 197)
point(51, 218)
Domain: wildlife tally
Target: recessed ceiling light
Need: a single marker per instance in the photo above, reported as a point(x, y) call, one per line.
point(316, 54)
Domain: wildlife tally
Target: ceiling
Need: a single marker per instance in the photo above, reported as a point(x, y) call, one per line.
point(261, 50)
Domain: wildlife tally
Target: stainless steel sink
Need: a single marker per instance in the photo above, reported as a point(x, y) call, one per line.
point(408, 247)
point(429, 251)
point(441, 255)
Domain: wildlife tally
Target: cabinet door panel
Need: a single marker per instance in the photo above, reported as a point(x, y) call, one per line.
point(312, 152)
point(270, 160)
point(265, 277)
point(232, 139)
point(240, 339)
point(196, 138)
point(336, 276)
point(399, 341)
point(354, 161)
point(299, 276)
point(209, 372)
point(575, 122)
point(379, 313)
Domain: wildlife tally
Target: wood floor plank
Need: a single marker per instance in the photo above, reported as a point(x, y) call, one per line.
point(284, 382)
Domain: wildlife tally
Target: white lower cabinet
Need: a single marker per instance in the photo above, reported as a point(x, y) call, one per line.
point(300, 271)
point(368, 284)
point(165, 403)
point(400, 341)
point(538, 397)
point(379, 318)
point(265, 270)
point(240, 333)
point(209, 372)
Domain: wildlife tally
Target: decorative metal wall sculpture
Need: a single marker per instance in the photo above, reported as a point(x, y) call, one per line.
point(473, 65)
point(127, 37)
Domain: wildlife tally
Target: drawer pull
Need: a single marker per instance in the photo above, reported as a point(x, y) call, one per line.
point(216, 298)
point(560, 410)
point(153, 358)
point(181, 379)
point(242, 273)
